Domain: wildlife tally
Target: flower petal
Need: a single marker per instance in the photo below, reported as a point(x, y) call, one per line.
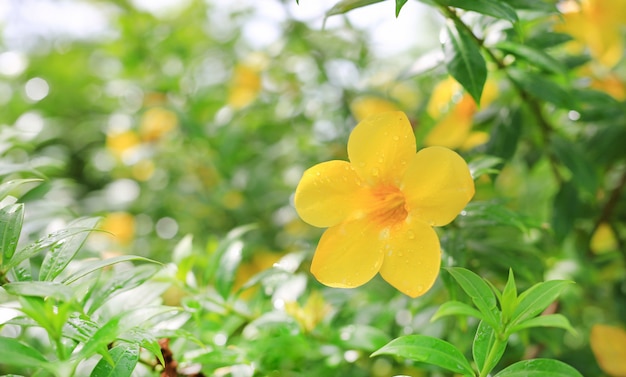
point(437, 185)
point(381, 146)
point(348, 255)
point(412, 258)
point(327, 193)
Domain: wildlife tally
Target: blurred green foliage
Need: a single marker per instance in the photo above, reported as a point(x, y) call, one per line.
point(183, 137)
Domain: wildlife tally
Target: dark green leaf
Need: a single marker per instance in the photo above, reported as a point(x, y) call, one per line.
point(505, 133)
point(543, 88)
point(464, 61)
point(539, 368)
point(533, 56)
point(493, 8)
point(573, 157)
point(11, 219)
point(19, 354)
point(536, 299)
point(399, 5)
point(428, 350)
point(124, 356)
point(58, 258)
point(486, 343)
point(547, 39)
point(363, 337)
point(345, 6)
point(40, 289)
point(565, 210)
point(539, 5)
point(551, 320)
point(456, 308)
point(492, 213)
point(479, 291)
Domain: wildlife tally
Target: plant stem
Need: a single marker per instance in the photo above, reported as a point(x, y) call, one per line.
point(490, 359)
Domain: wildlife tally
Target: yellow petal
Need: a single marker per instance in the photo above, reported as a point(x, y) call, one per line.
point(328, 193)
point(365, 106)
point(437, 185)
point(474, 139)
point(608, 344)
point(442, 97)
point(412, 258)
point(381, 146)
point(453, 129)
point(348, 255)
point(603, 239)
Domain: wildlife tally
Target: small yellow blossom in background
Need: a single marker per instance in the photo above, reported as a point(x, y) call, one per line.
point(610, 84)
point(362, 107)
point(156, 123)
point(121, 225)
point(454, 111)
point(380, 208)
point(313, 312)
point(597, 25)
point(121, 143)
point(260, 261)
point(143, 170)
point(608, 344)
point(245, 86)
point(603, 239)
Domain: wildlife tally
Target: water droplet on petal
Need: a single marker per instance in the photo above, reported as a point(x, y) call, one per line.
point(396, 138)
point(411, 234)
point(318, 174)
point(375, 172)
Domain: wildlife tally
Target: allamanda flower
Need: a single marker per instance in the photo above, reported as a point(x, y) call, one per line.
point(380, 208)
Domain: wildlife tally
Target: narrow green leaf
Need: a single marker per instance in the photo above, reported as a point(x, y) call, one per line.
point(551, 320)
point(125, 357)
point(40, 289)
point(345, 6)
point(485, 164)
point(232, 236)
point(7, 187)
point(11, 219)
point(428, 350)
point(225, 276)
point(486, 343)
point(534, 56)
point(541, 87)
point(464, 61)
point(493, 8)
point(456, 308)
point(58, 258)
point(481, 294)
point(399, 5)
point(363, 337)
point(508, 303)
point(547, 39)
point(536, 299)
point(539, 368)
point(18, 354)
point(573, 157)
point(565, 211)
point(92, 266)
point(538, 5)
point(505, 134)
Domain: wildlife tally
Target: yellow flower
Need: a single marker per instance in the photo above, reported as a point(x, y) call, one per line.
point(596, 24)
point(122, 143)
point(311, 314)
point(603, 239)
point(121, 225)
point(156, 123)
point(365, 106)
point(245, 86)
point(608, 344)
point(381, 206)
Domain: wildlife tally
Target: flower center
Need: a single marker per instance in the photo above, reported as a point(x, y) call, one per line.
point(388, 207)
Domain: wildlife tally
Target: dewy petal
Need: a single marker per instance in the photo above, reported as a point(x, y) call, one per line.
point(437, 185)
point(381, 146)
point(328, 193)
point(412, 258)
point(348, 255)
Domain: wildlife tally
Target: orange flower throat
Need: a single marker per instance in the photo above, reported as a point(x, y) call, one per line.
point(388, 206)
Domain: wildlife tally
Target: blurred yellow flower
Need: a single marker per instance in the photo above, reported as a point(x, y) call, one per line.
point(143, 170)
point(365, 106)
point(121, 225)
point(597, 25)
point(453, 111)
point(603, 239)
point(156, 123)
point(260, 261)
point(120, 143)
point(313, 312)
point(608, 344)
point(245, 86)
point(381, 206)
point(611, 84)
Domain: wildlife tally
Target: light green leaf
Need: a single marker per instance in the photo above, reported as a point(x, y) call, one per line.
point(464, 61)
point(551, 320)
point(429, 350)
point(493, 8)
point(455, 308)
point(484, 164)
point(40, 289)
point(92, 266)
point(363, 337)
point(508, 303)
point(225, 276)
point(8, 186)
point(536, 299)
point(399, 5)
point(539, 368)
point(345, 6)
point(124, 356)
point(486, 343)
point(18, 354)
point(59, 256)
point(533, 56)
point(479, 291)
point(11, 219)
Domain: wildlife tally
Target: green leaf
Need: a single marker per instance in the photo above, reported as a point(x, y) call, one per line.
point(7, 187)
point(536, 299)
point(485, 344)
point(493, 213)
point(493, 8)
point(345, 6)
point(92, 266)
point(464, 61)
point(399, 5)
point(124, 356)
point(228, 264)
point(481, 294)
point(566, 209)
point(539, 368)
point(533, 56)
point(428, 350)
point(573, 157)
point(484, 164)
point(456, 308)
point(363, 337)
point(40, 289)
point(547, 39)
point(58, 258)
point(540, 5)
point(550, 320)
point(508, 303)
point(541, 87)
point(18, 354)
point(11, 220)
point(505, 133)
